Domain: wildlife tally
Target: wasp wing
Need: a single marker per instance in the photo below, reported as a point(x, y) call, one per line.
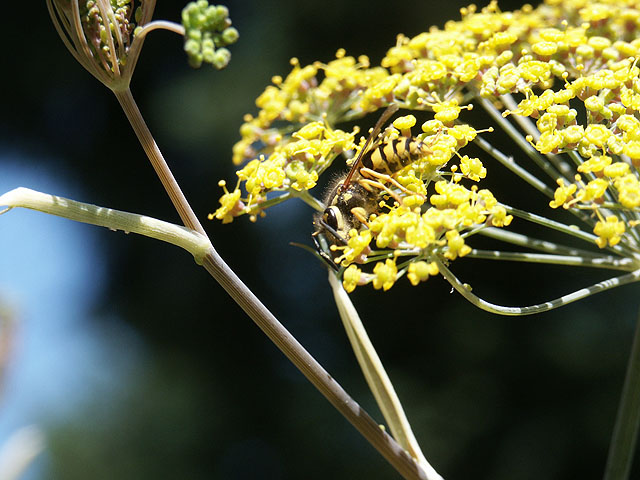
point(390, 110)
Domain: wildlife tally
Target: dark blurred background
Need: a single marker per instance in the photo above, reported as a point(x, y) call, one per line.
point(135, 362)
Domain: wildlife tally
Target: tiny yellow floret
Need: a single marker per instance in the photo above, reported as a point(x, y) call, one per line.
point(609, 232)
point(351, 278)
point(420, 271)
point(385, 274)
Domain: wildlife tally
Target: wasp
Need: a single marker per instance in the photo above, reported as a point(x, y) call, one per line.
point(355, 196)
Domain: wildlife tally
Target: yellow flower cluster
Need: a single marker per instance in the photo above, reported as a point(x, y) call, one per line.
point(567, 65)
point(294, 164)
point(409, 231)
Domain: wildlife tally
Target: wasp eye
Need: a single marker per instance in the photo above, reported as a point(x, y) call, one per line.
point(330, 218)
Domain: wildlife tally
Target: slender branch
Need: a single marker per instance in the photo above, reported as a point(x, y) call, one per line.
point(572, 230)
point(510, 163)
point(534, 243)
point(465, 291)
point(195, 243)
point(141, 32)
point(569, 260)
point(157, 160)
point(625, 432)
point(377, 377)
point(245, 298)
point(510, 130)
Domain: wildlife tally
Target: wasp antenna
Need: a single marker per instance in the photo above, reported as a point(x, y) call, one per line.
point(390, 110)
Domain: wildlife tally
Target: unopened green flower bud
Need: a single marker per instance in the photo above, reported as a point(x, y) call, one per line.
point(207, 29)
point(230, 35)
point(221, 58)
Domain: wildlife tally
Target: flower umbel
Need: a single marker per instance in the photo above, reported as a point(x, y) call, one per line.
point(560, 79)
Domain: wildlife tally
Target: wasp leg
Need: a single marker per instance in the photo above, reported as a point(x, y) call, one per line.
point(381, 186)
point(360, 216)
point(322, 247)
point(370, 185)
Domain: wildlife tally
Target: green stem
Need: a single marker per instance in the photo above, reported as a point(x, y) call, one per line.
point(625, 432)
point(205, 254)
point(142, 31)
point(465, 291)
point(534, 243)
point(546, 222)
point(510, 164)
point(377, 377)
point(572, 230)
point(195, 243)
point(568, 260)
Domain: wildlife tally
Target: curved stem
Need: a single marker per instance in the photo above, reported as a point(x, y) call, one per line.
point(200, 246)
point(141, 32)
point(158, 162)
point(465, 291)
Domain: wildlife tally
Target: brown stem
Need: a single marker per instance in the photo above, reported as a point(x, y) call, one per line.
point(158, 162)
point(310, 368)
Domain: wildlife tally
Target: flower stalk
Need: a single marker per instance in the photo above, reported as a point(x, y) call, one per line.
point(159, 164)
point(377, 378)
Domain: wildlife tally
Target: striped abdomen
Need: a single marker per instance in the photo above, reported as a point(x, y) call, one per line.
point(389, 157)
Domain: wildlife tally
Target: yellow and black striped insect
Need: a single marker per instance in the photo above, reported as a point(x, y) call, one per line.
point(354, 197)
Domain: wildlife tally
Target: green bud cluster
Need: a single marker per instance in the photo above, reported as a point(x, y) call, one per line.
point(207, 31)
